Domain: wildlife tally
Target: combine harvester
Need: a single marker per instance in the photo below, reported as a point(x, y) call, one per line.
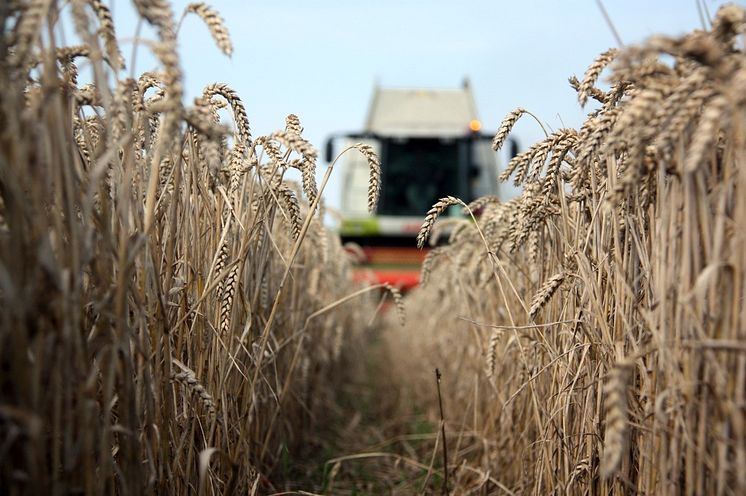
point(430, 146)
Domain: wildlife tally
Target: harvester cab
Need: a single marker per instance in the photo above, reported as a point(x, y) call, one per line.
point(430, 145)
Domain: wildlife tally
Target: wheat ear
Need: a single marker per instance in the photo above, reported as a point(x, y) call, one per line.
point(286, 196)
point(189, 379)
point(615, 409)
point(505, 127)
point(108, 33)
point(292, 124)
point(432, 215)
point(398, 302)
point(215, 24)
point(595, 93)
point(491, 358)
point(714, 116)
point(226, 299)
point(591, 74)
point(237, 106)
point(429, 263)
point(374, 181)
point(545, 293)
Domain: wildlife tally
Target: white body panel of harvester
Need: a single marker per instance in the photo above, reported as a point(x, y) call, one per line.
point(429, 144)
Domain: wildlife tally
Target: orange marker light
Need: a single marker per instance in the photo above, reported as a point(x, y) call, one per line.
point(475, 125)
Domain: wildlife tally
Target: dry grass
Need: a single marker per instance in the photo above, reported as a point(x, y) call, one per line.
point(592, 340)
point(174, 313)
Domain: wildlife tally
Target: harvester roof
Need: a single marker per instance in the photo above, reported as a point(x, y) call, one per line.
point(421, 112)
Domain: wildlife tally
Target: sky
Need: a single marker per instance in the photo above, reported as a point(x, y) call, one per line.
point(321, 59)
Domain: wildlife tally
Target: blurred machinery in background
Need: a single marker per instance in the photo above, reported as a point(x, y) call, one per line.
point(430, 146)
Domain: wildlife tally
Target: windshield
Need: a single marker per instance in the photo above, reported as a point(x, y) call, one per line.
point(416, 173)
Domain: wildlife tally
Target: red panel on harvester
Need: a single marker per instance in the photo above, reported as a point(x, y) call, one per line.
point(398, 266)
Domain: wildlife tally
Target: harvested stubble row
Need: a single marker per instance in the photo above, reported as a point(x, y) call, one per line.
point(591, 332)
point(173, 311)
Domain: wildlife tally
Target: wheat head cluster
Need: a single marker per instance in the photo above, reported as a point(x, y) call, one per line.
point(174, 310)
point(591, 332)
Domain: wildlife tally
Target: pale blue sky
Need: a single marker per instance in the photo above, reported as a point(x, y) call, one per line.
point(320, 59)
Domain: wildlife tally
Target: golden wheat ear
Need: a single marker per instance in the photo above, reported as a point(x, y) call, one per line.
point(292, 125)
point(398, 302)
point(587, 85)
point(193, 385)
point(545, 293)
point(239, 111)
point(432, 215)
point(374, 180)
point(214, 23)
point(617, 418)
point(505, 127)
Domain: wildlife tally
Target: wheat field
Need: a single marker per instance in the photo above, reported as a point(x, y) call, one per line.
point(176, 318)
